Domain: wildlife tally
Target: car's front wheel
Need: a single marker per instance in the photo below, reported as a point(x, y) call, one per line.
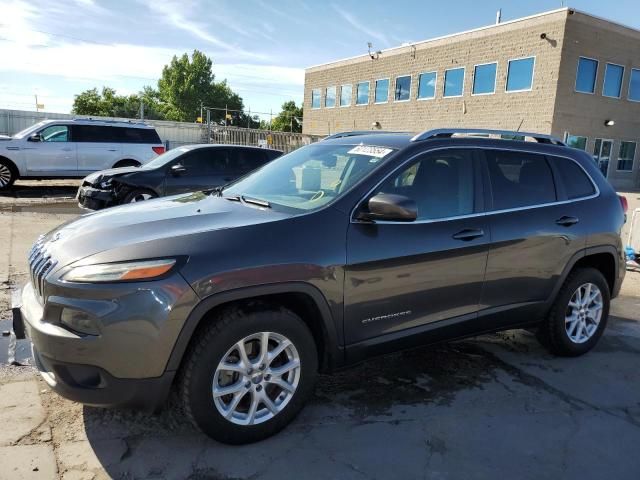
point(7, 175)
point(139, 195)
point(248, 374)
point(579, 314)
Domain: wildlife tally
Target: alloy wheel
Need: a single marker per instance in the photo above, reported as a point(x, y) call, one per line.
point(256, 378)
point(584, 313)
point(5, 175)
point(141, 197)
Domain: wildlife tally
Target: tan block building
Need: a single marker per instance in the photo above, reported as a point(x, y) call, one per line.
point(562, 72)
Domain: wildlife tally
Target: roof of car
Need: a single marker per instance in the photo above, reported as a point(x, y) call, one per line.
point(104, 123)
point(390, 140)
point(225, 145)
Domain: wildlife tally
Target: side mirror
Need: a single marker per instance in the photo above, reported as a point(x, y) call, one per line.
point(35, 137)
point(387, 206)
point(178, 169)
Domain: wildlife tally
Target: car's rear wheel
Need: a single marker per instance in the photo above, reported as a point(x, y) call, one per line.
point(248, 374)
point(139, 195)
point(579, 314)
point(7, 175)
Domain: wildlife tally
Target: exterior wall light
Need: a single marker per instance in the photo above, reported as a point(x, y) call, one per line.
point(376, 125)
point(609, 123)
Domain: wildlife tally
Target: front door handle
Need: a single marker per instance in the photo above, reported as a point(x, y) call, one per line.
point(566, 221)
point(67, 149)
point(468, 234)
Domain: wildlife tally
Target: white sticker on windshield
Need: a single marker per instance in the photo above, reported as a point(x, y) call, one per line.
point(370, 151)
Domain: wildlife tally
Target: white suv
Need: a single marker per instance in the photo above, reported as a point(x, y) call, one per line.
point(75, 148)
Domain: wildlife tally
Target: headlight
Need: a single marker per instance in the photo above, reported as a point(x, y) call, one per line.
point(105, 184)
point(119, 272)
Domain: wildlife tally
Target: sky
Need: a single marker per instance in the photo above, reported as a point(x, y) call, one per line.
point(61, 48)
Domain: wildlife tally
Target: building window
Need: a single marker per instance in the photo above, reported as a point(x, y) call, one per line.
point(330, 97)
point(586, 75)
point(613, 80)
point(427, 85)
point(634, 85)
point(345, 95)
point(484, 79)
point(602, 153)
point(403, 89)
point(575, 141)
point(626, 156)
point(454, 82)
point(315, 98)
point(362, 93)
point(382, 90)
point(520, 74)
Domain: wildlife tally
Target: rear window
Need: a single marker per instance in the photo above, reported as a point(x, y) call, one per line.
point(576, 182)
point(519, 179)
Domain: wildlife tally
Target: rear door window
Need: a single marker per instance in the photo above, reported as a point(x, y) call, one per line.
point(244, 160)
point(519, 179)
point(574, 179)
point(204, 161)
point(95, 134)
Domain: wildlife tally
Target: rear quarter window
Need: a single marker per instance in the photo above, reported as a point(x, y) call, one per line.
point(139, 135)
point(576, 182)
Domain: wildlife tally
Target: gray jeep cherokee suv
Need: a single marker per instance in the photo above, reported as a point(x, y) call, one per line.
point(343, 249)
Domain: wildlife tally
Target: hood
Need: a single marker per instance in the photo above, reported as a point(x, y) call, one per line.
point(102, 175)
point(5, 137)
point(146, 224)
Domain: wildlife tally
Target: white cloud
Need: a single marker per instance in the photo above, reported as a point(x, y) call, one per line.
point(371, 33)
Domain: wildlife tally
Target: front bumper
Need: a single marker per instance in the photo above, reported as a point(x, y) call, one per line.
point(125, 365)
point(94, 198)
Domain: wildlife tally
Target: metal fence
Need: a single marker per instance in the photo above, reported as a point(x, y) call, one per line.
point(173, 134)
point(284, 141)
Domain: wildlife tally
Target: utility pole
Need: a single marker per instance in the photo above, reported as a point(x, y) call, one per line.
point(141, 110)
point(201, 112)
point(249, 119)
point(225, 115)
point(270, 117)
point(37, 103)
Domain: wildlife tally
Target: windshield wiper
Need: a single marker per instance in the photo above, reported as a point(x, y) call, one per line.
point(216, 190)
point(256, 201)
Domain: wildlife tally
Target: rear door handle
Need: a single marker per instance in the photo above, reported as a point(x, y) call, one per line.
point(566, 221)
point(468, 234)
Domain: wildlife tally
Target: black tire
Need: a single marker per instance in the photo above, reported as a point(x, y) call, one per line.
point(553, 334)
point(139, 195)
point(211, 344)
point(8, 174)
point(126, 163)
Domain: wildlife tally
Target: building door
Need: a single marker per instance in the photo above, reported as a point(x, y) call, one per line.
point(602, 154)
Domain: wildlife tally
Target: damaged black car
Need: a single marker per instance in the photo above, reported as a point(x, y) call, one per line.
point(183, 169)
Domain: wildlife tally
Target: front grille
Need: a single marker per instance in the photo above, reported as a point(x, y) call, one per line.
point(40, 264)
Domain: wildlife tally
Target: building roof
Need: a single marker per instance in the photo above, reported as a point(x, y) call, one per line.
point(481, 31)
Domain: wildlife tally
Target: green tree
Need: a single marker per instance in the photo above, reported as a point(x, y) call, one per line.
point(109, 104)
point(289, 119)
point(185, 83)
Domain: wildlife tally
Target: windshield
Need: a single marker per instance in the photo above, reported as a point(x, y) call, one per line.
point(28, 130)
point(310, 177)
point(166, 157)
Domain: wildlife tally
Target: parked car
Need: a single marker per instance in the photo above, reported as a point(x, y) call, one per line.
point(183, 169)
point(338, 251)
point(74, 148)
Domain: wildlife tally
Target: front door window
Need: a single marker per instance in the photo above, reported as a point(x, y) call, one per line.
point(55, 133)
point(602, 154)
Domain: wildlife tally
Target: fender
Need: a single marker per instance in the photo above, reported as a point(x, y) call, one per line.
point(334, 355)
point(585, 252)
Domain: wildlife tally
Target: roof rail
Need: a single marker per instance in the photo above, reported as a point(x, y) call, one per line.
point(120, 122)
point(355, 133)
point(450, 132)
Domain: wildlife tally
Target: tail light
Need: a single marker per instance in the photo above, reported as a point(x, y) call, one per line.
point(624, 203)
point(158, 150)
